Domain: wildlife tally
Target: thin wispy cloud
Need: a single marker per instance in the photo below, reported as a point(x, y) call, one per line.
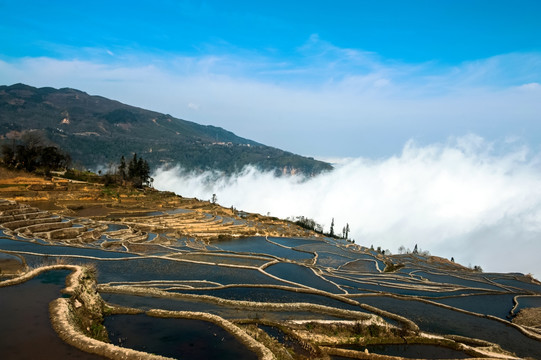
point(324, 101)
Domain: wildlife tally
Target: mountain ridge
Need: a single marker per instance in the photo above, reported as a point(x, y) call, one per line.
point(96, 131)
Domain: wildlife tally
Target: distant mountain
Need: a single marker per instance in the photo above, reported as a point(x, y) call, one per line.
point(97, 131)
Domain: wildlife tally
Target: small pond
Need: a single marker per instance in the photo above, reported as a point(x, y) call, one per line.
point(147, 303)
point(361, 265)
point(293, 242)
point(496, 305)
point(214, 257)
point(449, 279)
point(261, 246)
point(116, 227)
point(333, 260)
point(177, 338)
point(373, 286)
point(528, 302)
point(273, 295)
point(25, 320)
point(286, 340)
point(301, 275)
point(519, 284)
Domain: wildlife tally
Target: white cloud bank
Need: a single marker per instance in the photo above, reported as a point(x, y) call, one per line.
point(464, 199)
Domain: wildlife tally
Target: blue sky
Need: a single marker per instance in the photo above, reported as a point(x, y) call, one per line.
point(320, 78)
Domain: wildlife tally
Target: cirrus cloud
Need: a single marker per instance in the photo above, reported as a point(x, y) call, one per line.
point(323, 101)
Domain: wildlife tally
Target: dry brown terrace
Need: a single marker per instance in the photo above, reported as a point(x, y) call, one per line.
point(59, 209)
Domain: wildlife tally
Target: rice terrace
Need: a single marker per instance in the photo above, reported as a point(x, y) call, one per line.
point(270, 180)
point(143, 274)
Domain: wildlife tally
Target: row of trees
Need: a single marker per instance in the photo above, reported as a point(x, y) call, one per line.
point(416, 251)
point(32, 153)
point(136, 172)
point(380, 250)
point(345, 231)
point(310, 224)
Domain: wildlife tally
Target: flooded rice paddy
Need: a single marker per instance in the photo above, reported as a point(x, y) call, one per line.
point(434, 319)
point(254, 280)
point(26, 332)
point(199, 339)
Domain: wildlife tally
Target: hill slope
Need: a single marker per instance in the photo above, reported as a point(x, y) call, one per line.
point(97, 131)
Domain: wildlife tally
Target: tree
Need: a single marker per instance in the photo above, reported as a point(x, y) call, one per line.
point(142, 169)
point(144, 172)
point(52, 158)
point(214, 199)
point(308, 223)
point(32, 154)
point(415, 249)
point(347, 230)
point(132, 167)
point(477, 268)
point(401, 249)
point(331, 231)
point(8, 155)
point(138, 172)
point(122, 168)
point(33, 139)
point(27, 157)
point(452, 259)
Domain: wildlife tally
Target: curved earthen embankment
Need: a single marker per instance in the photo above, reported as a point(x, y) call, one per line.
point(353, 354)
point(255, 346)
point(525, 331)
point(19, 225)
point(62, 317)
point(407, 323)
point(71, 280)
point(241, 304)
point(330, 335)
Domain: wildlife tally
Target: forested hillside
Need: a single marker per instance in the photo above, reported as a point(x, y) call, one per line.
point(97, 131)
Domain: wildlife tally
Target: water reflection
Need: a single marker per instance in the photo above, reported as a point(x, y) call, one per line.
point(177, 338)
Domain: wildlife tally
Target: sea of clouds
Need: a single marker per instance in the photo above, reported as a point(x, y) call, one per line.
point(470, 199)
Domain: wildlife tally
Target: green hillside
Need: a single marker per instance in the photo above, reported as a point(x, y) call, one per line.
point(96, 131)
